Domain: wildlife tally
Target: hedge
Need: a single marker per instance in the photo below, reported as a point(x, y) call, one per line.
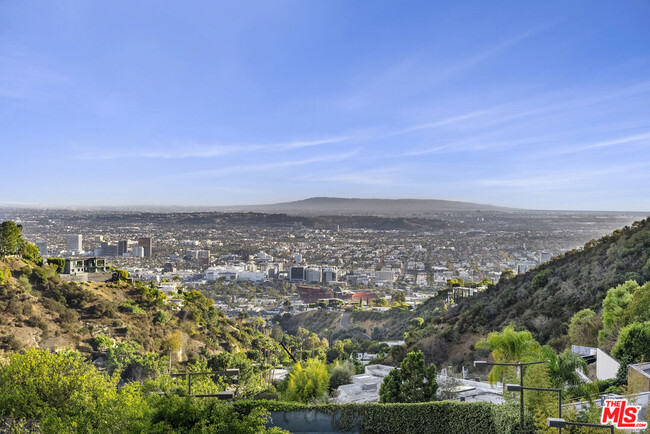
point(432, 417)
point(59, 262)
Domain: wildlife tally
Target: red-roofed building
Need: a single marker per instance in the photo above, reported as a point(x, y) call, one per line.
point(309, 294)
point(363, 297)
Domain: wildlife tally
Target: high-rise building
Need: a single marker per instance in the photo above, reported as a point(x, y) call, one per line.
point(329, 274)
point(297, 273)
point(109, 249)
point(138, 252)
point(313, 274)
point(122, 247)
point(73, 243)
point(145, 243)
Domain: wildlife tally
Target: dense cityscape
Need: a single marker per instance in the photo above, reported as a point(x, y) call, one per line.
point(200, 250)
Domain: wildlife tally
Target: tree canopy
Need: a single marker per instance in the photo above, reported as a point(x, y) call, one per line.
point(10, 238)
point(584, 327)
point(414, 381)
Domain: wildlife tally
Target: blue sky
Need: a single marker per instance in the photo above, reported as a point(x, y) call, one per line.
point(542, 105)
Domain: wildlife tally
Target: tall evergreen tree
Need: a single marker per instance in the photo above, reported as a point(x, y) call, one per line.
point(414, 381)
point(10, 238)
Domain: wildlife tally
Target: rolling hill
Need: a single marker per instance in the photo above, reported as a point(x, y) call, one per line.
point(376, 207)
point(544, 299)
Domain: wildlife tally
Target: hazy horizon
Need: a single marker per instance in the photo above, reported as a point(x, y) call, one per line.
point(255, 206)
point(541, 106)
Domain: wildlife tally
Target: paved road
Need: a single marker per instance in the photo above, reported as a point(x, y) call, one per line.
point(345, 323)
point(345, 320)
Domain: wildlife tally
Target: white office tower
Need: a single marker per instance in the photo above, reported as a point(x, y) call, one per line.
point(313, 274)
point(137, 252)
point(297, 258)
point(73, 243)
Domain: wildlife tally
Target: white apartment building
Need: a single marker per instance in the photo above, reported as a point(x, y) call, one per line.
point(73, 243)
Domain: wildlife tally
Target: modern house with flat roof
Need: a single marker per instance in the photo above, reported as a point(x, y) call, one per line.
point(92, 269)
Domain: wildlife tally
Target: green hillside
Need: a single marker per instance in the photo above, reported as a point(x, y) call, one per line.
point(131, 325)
point(542, 300)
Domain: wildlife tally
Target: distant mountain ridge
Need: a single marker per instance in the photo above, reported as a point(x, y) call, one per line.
point(392, 207)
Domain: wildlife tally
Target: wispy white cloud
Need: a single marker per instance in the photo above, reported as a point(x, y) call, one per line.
point(516, 122)
point(194, 150)
point(440, 123)
point(421, 72)
point(484, 55)
point(262, 167)
point(635, 138)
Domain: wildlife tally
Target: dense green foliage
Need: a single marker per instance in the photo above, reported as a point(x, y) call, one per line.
point(67, 394)
point(414, 381)
point(633, 343)
point(544, 299)
point(512, 346)
point(509, 345)
point(584, 327)
point(563, 367)
point(341, 374)
point(10, 238)
point(190, 415)
point(59, 262)
point(12, 243)
point(309, 384)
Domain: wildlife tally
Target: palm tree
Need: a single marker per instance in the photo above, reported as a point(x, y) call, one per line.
point(511, 346)
point(563, 368)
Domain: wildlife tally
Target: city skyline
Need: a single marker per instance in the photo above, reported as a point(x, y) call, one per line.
point(535, 106)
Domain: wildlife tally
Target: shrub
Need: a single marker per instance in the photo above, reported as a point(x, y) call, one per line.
point(67, 394)
point(540, 280)
point(341, 374)
point(23, 281)
point(103, 309)
point(130, 306)
point(30, 253)
point(308, 384)
point(178, 414)
point(633, 343)
point(76, 296)
point(11, 343)
point(69, 317)
point(160, 318)
point(59, 262)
